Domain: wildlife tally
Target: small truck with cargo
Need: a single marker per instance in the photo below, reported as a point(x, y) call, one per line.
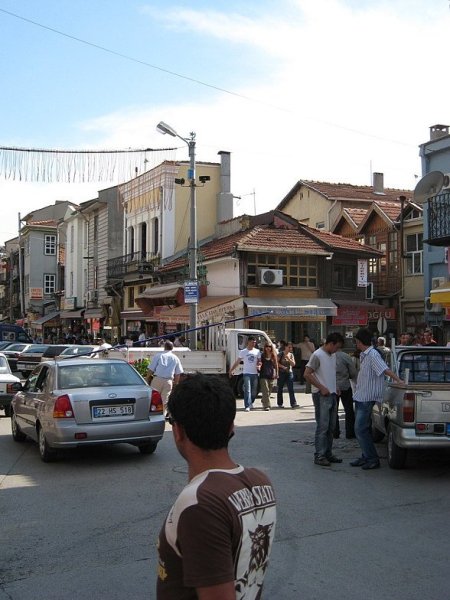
point(415, 415)
point(222, 350)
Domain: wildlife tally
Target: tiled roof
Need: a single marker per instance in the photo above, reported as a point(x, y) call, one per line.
point(267, 238)
point(356, 215)
point(47, 223)
point(390, 209)
point(346, 191)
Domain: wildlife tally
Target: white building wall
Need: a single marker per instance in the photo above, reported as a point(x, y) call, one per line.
point(223, 277)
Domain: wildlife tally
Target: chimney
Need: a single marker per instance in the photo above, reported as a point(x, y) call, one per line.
point(224, 197)
point(378, 184)
point(438, 131)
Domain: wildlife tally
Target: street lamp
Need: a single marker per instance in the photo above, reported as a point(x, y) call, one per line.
point(164, 128)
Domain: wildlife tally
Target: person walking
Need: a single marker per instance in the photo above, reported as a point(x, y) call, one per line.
point(345, 373)
point(286, 364)
point(306, 349)
point(321, 374)
point(164, 372)
point(369, 389)
point(268, 373)
point(251, 359)
point(215, 542)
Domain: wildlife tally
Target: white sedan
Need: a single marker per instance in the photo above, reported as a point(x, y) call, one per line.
point(6, 381)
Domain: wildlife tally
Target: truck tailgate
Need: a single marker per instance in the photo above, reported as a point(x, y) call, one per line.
point(433, 405)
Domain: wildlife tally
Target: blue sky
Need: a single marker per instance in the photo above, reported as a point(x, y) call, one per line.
point(321, 89)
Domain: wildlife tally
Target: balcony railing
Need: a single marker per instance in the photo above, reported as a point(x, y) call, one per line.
point(131, 264)
point(439, 220)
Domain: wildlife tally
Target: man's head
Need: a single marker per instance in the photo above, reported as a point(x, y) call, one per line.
point(363, 338)
point(333, 343)
point(205, 408)
point(406, 339)
point(427, 336)
point(168, 345)
point(251, 342)
point(381, 341)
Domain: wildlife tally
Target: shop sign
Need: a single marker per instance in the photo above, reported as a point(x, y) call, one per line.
point(36, 293)
point(387, 313)
point(70, 303)
point(350, 315)
point(362, 273)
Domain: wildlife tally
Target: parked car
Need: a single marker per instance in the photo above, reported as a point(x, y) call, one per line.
point(81, 350)
point(27, 360)
point(12, 353)
point(4, 345)
point(7, 379)
point(9, 332)
point(81, 402)
point(416, 414)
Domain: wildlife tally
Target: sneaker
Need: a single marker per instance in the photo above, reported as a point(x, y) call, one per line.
point(267, 408)
point(322, 461)
point(280, 406)
point(247, 409)
point(371, 465)
point(358, 462)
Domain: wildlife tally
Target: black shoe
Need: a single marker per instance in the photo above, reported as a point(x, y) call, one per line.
point(334, 459)
point(358, 462)
point(280, 406)
point(336, 436)
point(371, 465)
point(295, 405)
point(322, 461)
point(351, 437)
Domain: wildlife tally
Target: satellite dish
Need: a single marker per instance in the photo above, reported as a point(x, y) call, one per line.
point(428, 186)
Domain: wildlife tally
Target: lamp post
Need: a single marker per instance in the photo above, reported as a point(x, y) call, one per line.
point(164, 128)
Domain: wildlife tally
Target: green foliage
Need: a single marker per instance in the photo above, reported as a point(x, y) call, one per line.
point(141, 366)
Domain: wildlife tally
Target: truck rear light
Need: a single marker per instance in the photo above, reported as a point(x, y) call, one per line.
point(409, 404)
point(156, 403)
point(63, 408)
point(10, 389)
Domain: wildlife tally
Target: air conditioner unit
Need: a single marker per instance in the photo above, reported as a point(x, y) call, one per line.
point(271, 276)
point(432, 308)
point(91, 295)
point(369, 291)
point(437, 282)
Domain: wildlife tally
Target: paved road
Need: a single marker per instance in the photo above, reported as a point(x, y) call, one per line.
point(85, 527)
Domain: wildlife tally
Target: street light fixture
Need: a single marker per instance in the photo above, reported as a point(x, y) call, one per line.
point(167, 129)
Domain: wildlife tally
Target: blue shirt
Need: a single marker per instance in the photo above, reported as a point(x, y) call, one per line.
point(166, 365)
point(370, 384)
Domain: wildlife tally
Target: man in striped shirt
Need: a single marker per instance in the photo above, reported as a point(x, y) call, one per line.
point(369, 389)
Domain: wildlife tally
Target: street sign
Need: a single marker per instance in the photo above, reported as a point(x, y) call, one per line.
point(191, 292)
point(382, 325)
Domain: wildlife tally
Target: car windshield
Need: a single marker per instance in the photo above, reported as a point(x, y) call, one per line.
point(118, 373)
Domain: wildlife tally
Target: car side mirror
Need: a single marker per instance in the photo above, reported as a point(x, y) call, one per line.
point(16, 387)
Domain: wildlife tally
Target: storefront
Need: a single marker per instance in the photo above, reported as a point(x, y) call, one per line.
point(290, 319)
point(93, 318)
point(352, 314)
point(47, 328)
point(72, 323)
point(441, 296)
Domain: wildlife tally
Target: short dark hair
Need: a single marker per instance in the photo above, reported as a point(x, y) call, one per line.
point(251, 338)
point(168, 345)
point(205, 406)
point(364, 336)
point(334, 338)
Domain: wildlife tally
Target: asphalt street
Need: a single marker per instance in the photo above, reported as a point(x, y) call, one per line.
point(86, 526)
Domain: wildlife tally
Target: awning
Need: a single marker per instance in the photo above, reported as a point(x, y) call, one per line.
point(72, 314)
point(440, 295)
point(292, 307)
point(209, 308)
point(93, 313)
point(45, 319)
point(166, 294)
point(359, 304)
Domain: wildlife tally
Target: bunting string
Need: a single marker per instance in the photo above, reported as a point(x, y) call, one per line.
point(78, 166)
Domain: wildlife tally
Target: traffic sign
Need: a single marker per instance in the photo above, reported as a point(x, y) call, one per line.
point(382, 325)
point(191, 292)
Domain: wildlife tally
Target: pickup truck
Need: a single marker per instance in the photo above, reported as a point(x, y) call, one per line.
point(416, 414)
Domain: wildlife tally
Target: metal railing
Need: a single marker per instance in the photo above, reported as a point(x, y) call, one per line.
point(439, 220)
point(135, 262)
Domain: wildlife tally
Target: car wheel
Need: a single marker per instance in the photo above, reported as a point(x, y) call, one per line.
point(148, 448)
point(47, 454)
point(396, 455)
point(17, 433)
point(377, 435)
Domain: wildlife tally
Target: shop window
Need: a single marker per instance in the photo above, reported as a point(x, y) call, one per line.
point(131, 297)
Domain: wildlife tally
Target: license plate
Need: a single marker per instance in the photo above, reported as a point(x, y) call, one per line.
point(119, 410)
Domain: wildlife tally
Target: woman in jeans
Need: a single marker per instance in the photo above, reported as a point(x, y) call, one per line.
point(286, 363)
point(267, 374)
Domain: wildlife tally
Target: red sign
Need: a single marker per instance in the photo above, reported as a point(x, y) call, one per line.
point(350, 315)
